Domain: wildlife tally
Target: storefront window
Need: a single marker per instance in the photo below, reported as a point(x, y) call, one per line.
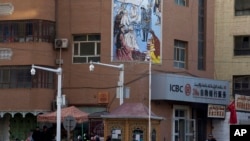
point(184, 127)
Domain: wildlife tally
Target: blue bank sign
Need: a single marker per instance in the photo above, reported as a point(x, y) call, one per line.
point(189, 89)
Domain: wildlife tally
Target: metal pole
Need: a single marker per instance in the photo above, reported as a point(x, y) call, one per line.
point(149, 101)
point(108, 65)
point(121, 77)
point(121, 86)
point(59, 102)
point(59, 97)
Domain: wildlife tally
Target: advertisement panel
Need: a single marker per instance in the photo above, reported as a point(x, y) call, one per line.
point(136, 30)
point(242, 102)
point(216, 111)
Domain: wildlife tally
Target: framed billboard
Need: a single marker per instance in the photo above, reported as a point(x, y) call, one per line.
point(136, 30)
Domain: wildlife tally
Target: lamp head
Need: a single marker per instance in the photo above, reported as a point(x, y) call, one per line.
point(33, 71)
point(148, 58)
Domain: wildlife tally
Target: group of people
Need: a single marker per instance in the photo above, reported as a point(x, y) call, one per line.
point(38, 135)
point(85, 137)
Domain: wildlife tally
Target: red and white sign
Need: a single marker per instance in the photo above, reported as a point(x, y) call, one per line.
point(216, 111)
point(242, 102)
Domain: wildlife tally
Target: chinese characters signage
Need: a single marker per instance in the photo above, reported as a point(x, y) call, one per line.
point(216, 111)
point(190, 89)
point(242, 102)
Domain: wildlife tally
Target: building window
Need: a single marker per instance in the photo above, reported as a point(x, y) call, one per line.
point(242, 45)
point(241, 84)
point(20, 77)
point(183, 126)
point(27, 31)
point(180, 54)
point(137, 134)
point(153, 135)
point(116, 134)
point(242, 7)
point(181, 2)
point(5, 53)
point(86, 48)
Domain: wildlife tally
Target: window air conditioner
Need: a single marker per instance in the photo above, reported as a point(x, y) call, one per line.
point(61, 43)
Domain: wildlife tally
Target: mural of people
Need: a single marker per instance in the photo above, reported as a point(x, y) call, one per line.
point(117, 22)
point(123, 52)
point(146, 22)
point(141, 21)
point(153, 47)
point(134, 16)
point(125, 19)
point(157, 11)
point(130, 39)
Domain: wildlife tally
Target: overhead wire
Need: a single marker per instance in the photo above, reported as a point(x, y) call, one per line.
point(46, 54)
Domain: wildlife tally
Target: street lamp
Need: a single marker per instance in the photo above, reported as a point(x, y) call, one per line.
point(149, 98)
point(121, 76)
point(58, 71)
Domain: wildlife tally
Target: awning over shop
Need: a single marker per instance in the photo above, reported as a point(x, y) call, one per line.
point(79, 115)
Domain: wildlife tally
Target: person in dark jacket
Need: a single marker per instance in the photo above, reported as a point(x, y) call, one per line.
point(37, 134)
point(46, 135)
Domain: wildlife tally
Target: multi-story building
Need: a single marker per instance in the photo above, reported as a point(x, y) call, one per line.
point(177, 36)
point(232, 58)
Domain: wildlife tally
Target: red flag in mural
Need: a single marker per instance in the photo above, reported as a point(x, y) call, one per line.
point(233, 115)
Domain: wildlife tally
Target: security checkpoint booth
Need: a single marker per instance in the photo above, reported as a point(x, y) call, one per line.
point(130, 121)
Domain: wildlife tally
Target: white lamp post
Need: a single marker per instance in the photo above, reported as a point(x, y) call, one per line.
point(58, 71)
point(121, 76)
point(149, 99)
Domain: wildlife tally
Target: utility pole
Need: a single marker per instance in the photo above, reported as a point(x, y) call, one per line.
point(58, 71)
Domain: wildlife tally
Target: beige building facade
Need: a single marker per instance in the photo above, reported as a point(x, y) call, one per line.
point(69, 34)
point(232, 58)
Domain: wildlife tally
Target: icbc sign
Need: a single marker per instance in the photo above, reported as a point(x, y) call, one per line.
point(179, 88)
point(176, 88)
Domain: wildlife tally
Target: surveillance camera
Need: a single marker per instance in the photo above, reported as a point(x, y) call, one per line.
point(91, 67)
point(33, 71)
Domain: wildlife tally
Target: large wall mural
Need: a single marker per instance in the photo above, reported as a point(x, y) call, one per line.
point(137, 30)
